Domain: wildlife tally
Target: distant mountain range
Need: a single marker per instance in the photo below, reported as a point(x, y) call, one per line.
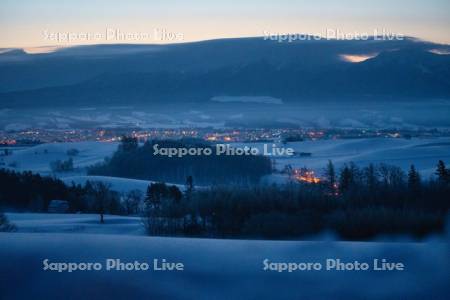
point(146, 74)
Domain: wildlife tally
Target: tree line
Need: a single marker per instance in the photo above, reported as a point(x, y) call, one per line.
point(26, 191)
point(355, 203)
point(140, 162)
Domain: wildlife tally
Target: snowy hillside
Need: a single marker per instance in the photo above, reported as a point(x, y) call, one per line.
point(423, 153)
point(75, 223)
point(217, 269)
point(38, 158)
point(117, 184)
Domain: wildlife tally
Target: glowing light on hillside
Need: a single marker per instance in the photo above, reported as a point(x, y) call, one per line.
point(41, 50)
point(440, 51)
point(357, 58)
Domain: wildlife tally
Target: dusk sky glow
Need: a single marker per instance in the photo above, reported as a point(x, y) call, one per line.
point(24, 23)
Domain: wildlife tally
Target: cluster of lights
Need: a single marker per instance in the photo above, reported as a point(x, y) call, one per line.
point(305, 175)
point(8, 142)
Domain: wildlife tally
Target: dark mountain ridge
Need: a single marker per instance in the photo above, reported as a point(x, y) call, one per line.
point(146, 74)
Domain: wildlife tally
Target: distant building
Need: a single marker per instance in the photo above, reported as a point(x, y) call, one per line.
point(58, 206)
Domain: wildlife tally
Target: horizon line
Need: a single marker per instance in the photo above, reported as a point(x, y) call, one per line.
point(55, 47)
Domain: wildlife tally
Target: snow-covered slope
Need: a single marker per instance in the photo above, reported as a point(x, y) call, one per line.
point(424, 153)
point(213, 269)
point(38, 158)
point(117, 184)
point(75, 223)
point(216, 269)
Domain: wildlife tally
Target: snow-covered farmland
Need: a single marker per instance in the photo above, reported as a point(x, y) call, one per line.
point(424, 153)
point(75, 223)
point(38, 158)
point(216, 269)
point(116, 183)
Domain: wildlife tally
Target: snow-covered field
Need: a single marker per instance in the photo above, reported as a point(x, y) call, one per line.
point(118, 184)
point(424, 153)
point(213, 269)
point(75, 223)
point(38, 158)
point(216, 269)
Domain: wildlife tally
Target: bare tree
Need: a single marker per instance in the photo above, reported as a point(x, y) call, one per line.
point(102, 197)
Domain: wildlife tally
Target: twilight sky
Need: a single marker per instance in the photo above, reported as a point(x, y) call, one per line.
point(31, 23)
